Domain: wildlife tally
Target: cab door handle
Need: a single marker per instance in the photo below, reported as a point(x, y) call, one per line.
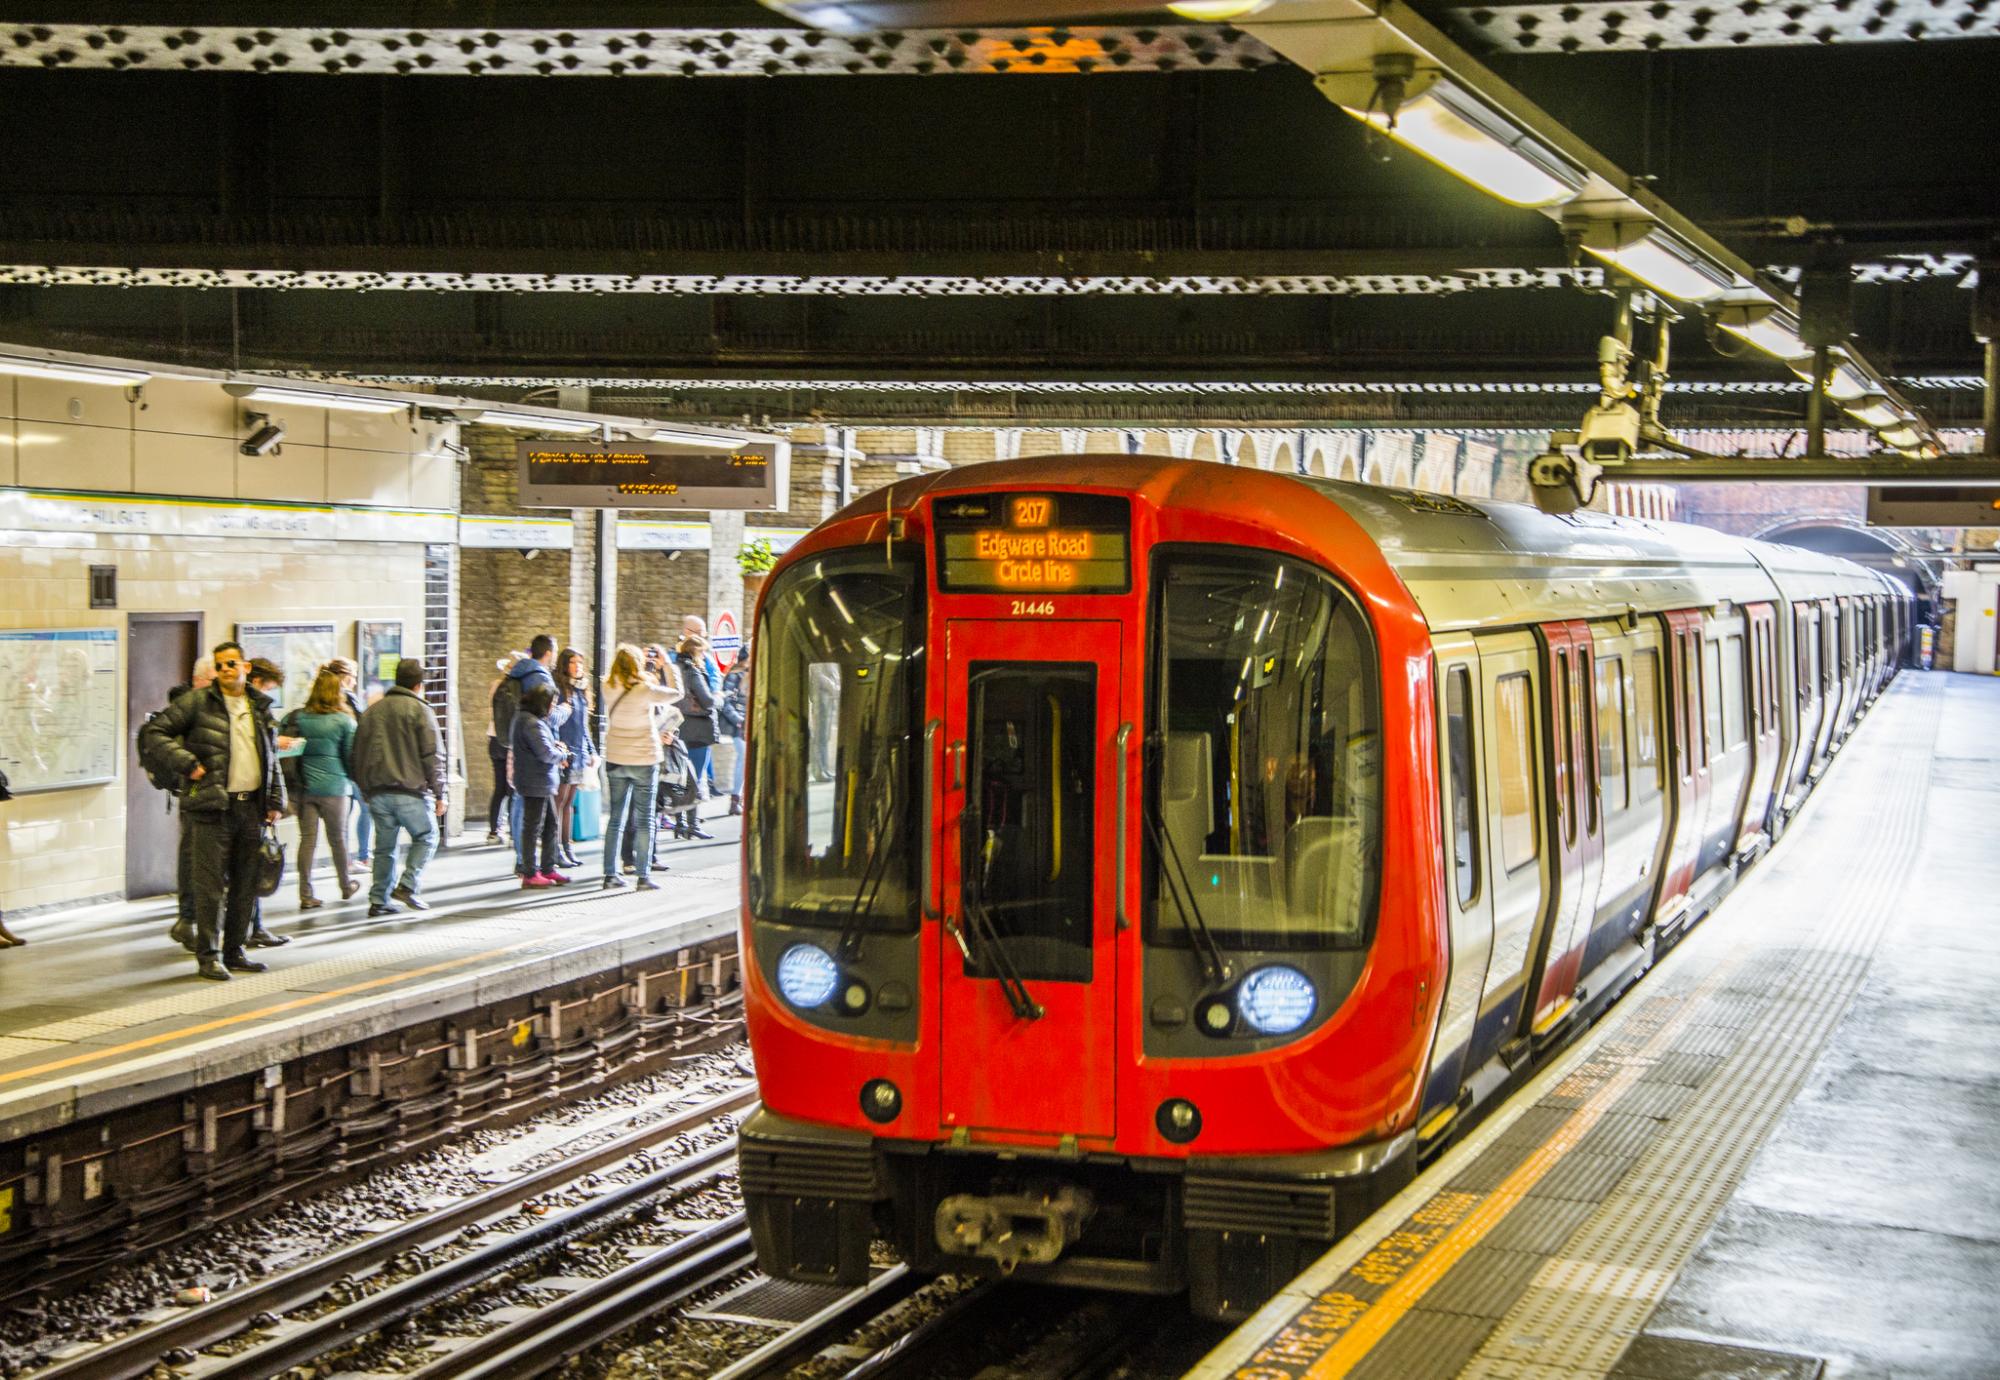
point(958, 765)
point(1124, 772)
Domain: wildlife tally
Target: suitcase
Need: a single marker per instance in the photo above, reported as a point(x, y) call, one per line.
point(586, 817)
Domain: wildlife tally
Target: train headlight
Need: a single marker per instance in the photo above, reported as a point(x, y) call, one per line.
point(807, 976)
point(1276, 1000)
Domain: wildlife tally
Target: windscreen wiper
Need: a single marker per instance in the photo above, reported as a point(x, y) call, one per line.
point(1213, 962)
point(979, 925)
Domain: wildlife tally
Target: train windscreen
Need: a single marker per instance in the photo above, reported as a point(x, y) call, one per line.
point(835, 715)
point(1264, 765)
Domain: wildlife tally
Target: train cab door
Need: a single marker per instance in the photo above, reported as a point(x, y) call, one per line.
point(1029, 982)
point(1576, 854)
point(1687, 751)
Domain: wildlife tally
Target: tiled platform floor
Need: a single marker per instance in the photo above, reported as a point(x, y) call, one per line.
point(100, 1009)
point(1778, 1158)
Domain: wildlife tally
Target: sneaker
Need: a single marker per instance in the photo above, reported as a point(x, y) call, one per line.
point(402, 893)
point(648, 884)
point(556, 879)
point(375, 910)
point(534, 881)
point(614, 882)
point(493, 836)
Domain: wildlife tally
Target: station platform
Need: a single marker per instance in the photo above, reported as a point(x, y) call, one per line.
point(1775, 1159)
point(100, 1010)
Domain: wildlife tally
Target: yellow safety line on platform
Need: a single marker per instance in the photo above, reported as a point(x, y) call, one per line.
point(1372, 1321)
point(223, 1022)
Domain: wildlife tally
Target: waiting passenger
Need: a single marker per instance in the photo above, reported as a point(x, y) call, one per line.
point(697, 733)
point(632, 752)
point(732, 722)
point(539, 758)
point(221, 744)
point(399, 762)
point(532, 669)
point(8, 939)
point(573, 689)
point(183, 931)
point(326, 725)
point(350, 686)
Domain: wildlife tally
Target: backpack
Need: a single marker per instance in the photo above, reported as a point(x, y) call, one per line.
point(506, 704)
point(158, 777)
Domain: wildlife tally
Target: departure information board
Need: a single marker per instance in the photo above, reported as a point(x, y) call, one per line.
point(564, 474)
point(1035, 543)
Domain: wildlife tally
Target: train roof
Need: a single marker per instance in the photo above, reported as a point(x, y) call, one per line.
point(1467, 563)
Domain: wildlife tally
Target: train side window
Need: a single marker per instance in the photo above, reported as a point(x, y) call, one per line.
point(1711, 701)
point(1732, 693)
point(1459, 770)
point(1646, 715)
point(1565, 746)
point(1513, 740)
point(1586, 771)
point(1611, 733)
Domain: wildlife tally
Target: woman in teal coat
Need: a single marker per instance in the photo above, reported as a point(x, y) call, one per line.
point(325, 781)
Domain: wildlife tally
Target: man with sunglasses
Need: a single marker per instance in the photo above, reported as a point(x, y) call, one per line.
point(221, 744)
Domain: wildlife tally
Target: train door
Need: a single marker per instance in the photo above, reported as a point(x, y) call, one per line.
point(1509, 674)
point(1575, 827)
point(1726, 731)
point(1829, 681)
point(1805, 619)
point(1461, 738)
point(1765, 779)
point(1029, 982)
point(1627, 759)
point(1689, 757)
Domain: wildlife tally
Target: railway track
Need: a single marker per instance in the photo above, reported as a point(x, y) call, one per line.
point(259, 1306)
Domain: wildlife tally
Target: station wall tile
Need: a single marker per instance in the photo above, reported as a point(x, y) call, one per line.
point(297, 473)
point(196, 466)
point(384, 431)
point(85, 404)
point(189, 408)
point(362, 476)
point(57, 455)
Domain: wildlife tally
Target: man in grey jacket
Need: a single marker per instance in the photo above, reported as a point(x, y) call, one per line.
point(399, 765)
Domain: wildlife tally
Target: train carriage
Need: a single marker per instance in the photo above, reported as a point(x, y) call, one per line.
point(1150, 862)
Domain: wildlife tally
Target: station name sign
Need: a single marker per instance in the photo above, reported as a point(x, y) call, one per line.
point(567, 474)
point(1037, 543)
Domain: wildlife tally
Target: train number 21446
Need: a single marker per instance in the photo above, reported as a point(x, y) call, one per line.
point(1033, 608)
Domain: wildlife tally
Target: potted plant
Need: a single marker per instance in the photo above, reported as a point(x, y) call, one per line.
point(755, 560)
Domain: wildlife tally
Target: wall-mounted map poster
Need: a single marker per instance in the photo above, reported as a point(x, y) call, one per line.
point(59, 694)
point(378, 646)
point(297, 649)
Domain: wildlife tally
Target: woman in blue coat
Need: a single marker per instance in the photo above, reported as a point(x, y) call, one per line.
point(539, 758)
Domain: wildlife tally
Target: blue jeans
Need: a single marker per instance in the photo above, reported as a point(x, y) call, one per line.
point(632, 793)
point(700, 757)
point(362, 815)
point(742, 759)
point(515, 822)
point(415, 814)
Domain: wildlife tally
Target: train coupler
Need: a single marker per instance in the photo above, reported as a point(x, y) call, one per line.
point(1033, 1227)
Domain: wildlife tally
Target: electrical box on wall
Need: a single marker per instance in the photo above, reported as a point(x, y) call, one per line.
point(104, 586)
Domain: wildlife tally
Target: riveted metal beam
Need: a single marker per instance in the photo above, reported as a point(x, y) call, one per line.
point(1890, 470)
point(660, 51)
point(1619, 26)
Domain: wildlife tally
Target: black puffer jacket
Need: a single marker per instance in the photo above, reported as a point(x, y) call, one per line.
point(194, 731)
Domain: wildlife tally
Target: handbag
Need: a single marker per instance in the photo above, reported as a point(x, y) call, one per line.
point(270, 863)
point(680, 788)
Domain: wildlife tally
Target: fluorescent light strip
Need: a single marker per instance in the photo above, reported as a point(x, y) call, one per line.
point(1657, 259)
point(1464, 138)
point(64, 372)
point(1774, 331)
point(308, 397)
point(1844, 382)
point(1875, 411)
point(530, 421)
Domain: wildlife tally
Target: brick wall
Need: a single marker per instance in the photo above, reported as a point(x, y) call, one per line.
point(656, 589)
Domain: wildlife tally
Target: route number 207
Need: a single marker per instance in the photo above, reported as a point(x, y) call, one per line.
point(1033, 608)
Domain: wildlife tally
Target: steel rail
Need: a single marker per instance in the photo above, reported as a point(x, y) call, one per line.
point(845, 1314)
point(411, 1296)
point(916, 1352)
point(591, 1316)
point(136, 1353)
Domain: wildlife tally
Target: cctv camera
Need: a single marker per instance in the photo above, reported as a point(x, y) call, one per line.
point(264, 440)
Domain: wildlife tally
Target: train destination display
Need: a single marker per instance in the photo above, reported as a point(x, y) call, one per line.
point(1041, 543)
point(571, 474)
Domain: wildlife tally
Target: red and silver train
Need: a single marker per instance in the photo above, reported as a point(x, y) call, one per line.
point(1150, 862)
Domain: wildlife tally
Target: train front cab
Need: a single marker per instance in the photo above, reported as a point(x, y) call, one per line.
point(1064, 906)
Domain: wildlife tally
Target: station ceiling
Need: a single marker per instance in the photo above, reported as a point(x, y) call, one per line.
point(707, 210)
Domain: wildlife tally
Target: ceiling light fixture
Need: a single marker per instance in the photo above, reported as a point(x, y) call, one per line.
point(312, 397)
point(530, 421)
point(1904, 437)
point(1844, 382)
point(667, 437)
point(1657, 258)
point(1875, 411)
point(1769, 327)
point(62, 371)
point(1426, 113)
